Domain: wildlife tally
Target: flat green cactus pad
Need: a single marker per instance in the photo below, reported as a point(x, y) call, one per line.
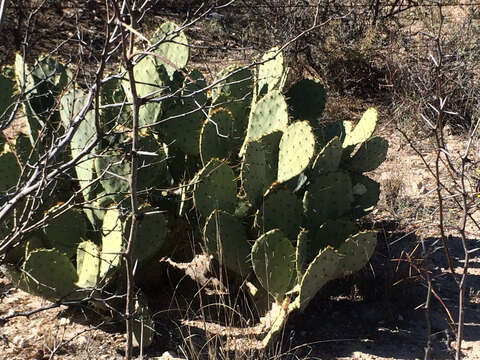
point(50, 274)
point(151, 234)
point(356, 252)
point(226, 239)
point(88, 264)
point(71, 104)
point(115, 165)
point(218, 138)
point(181, 125)
point(8, 86)
point(306, 100)
point(363, 130)
point(215, 188)
point(273, 260)
point(329, 158)
point(332, 233)
point(174, 49)
point(149, 83)
point(112, 92)
point(329, 196)
point(17, 254)
point(194, 92)
point(65, 232)
point(10, 172)
point(322, 269)
point(268, 115)
point(369, 156)
point(297, 149)
point(259, 166)
point(303, 257)
point(235, 82)
point(281, 209)
point(270, 71)
point(234, 92)
point(366, 193)
point(112, 242)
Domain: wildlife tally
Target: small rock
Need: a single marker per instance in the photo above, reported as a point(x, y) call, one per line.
point(64, 321)
point(19, 341)
point(168, 355)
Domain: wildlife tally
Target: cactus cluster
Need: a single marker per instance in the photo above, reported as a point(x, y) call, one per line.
point(299, 195)
point(276, 191)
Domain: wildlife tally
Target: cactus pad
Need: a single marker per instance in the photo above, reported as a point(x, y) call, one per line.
point(260, 166)
point(234, 93)
point(268, 115)
point(306, 100)
point(182, 122)
point(65, 231)
point(173, 49)
point(366, 193)
point(149, 84)
point(151, 234)
point(281, 209)
point(270, 71)
point(363, 130)
point(10, 173)
point(226, 239)
point(88, 264)
point(273, 260)
point(332, 233)
point(329, 196)
point(215, 188)
point(297, 149)
point(112, 92)
point(303, 257)
point(369, 156)
point(322, 269)
point(218, 138)
point(234, 82)
point(71, 104)
point(356, 252)
point(112, 242)
point(329, 158)
point(115, 165)
point(8, 86)
point(51, 274)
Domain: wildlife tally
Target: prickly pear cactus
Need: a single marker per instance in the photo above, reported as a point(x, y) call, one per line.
point(9, 89)
point(218, 138)
point(51, 274)
point(226, 239)
point(268, 115)
point(270, 70)
point(363, 130)
point(65, 231)
point(297, 150)
point(215, 188)
point(281, 209)
point(259, 166)
point(273, 260)
point(174, 50)
point(10, 172)
point(88, 264)
point(306, 100)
